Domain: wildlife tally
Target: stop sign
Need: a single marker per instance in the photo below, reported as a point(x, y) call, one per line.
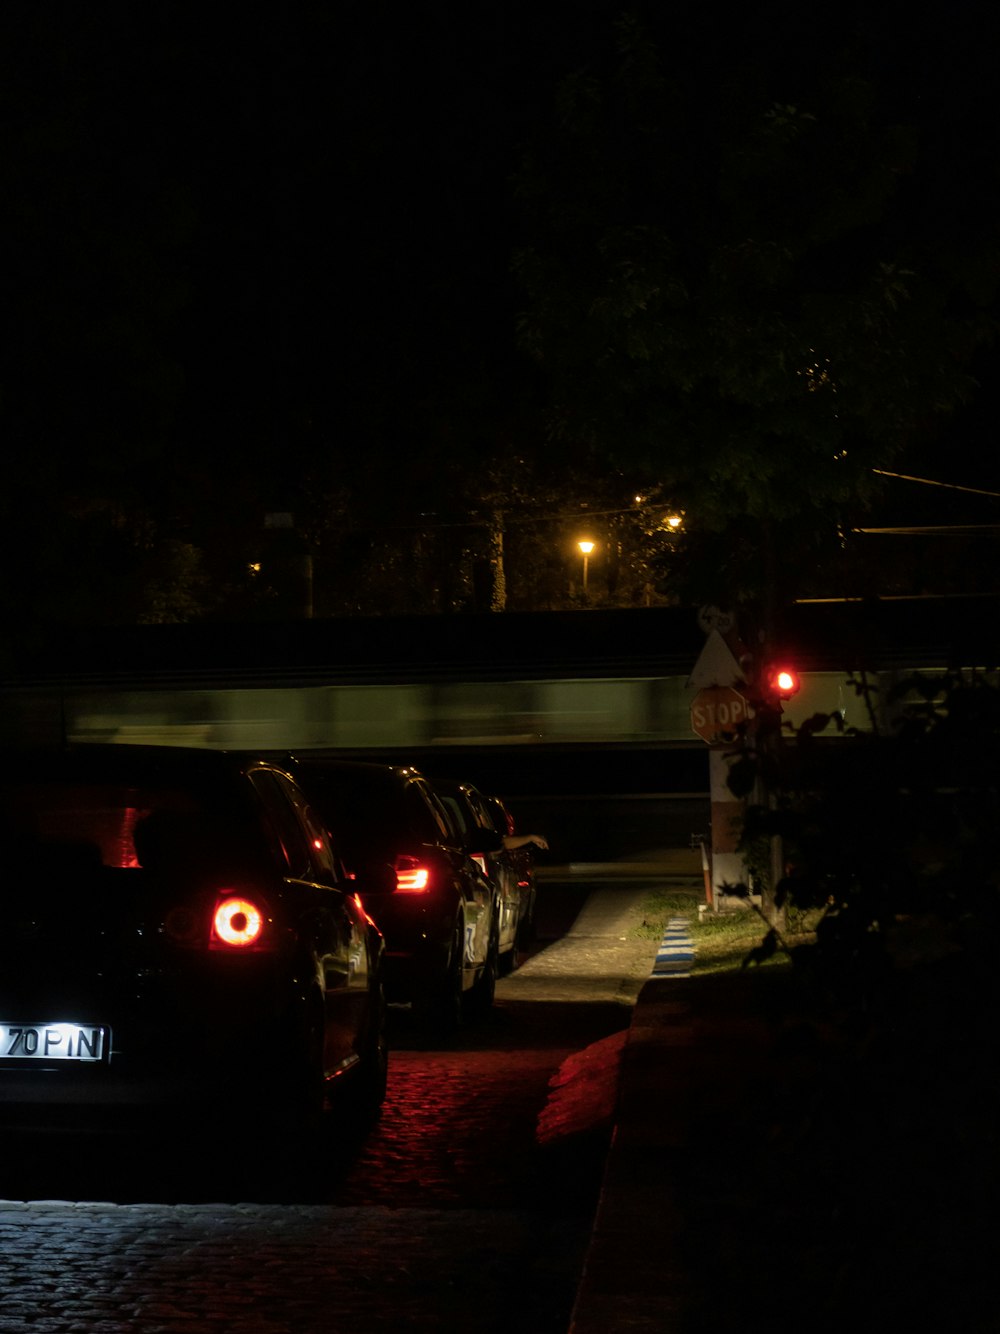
point(718, 712)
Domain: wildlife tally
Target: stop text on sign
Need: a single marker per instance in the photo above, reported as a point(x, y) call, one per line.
point(719, 712)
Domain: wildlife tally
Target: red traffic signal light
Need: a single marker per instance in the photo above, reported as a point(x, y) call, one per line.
point(784, 682)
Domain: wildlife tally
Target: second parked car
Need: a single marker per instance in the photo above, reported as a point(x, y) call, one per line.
point(435, 907)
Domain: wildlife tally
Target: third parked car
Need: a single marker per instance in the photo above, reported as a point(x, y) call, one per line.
point(476, 815)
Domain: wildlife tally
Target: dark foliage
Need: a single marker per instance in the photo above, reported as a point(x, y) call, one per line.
point(891, 832)
point(737, 272)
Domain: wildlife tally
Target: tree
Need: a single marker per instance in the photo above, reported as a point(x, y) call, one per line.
point(739, 275)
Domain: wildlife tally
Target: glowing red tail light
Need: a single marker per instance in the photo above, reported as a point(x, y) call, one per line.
point(480, 861)
point(412, 875)
point(237, 923)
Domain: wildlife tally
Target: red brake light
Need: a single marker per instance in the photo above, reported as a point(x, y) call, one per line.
point(784, 682)
point(237, 923)
point(412, 876)
point(480, 861)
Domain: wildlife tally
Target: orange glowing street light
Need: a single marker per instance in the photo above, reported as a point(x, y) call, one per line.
point(586, 547)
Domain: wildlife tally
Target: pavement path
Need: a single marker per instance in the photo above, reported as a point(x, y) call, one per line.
point(602, 957)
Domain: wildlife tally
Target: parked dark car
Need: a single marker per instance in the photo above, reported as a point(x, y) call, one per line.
point(470, 819)
point(522, 869)
point(175, 935)
point(438, 911)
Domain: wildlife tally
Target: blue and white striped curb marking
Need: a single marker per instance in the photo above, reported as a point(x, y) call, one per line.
point(676, 952)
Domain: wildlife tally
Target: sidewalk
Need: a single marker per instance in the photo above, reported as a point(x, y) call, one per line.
point(768, 1167)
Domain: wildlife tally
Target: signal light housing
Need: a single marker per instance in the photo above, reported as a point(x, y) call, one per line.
point(783, 682)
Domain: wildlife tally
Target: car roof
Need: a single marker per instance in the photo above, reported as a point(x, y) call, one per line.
point(110, 762)
point(455, 785)
point(357, 769)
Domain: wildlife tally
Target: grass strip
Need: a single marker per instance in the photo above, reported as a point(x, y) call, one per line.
point(722, 940)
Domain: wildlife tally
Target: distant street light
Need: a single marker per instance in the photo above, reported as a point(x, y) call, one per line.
point(586, 547)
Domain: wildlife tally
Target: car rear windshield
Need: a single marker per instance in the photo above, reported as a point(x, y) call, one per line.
point(371, 814)
point(114, 825)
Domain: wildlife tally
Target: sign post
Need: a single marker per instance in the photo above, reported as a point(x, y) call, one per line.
point(720, 711)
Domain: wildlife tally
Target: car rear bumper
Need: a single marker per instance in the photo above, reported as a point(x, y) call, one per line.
point(414, 975)
point(174, 1065)
point(418, 939)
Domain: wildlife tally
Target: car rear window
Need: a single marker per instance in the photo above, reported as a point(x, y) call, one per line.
point(374, 814)
point(111, 825)
point(459, 814)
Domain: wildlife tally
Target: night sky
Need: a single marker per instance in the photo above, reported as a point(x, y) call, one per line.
point(236, 235)
point(274, 211)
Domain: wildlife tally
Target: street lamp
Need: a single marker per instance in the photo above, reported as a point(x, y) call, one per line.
point(586, 547)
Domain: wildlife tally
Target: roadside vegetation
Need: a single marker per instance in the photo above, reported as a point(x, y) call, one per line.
point(856, 1068)
point(726, 941)
point(887, 845)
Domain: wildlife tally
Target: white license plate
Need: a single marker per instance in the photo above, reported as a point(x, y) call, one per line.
point(53, 1042)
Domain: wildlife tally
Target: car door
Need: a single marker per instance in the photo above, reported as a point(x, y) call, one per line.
point(502, 870)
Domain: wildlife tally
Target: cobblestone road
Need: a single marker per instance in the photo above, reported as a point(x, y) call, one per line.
point(450, 1215)
point(257, 1269)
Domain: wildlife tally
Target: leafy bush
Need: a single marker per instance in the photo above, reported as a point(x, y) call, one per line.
point(889, 834)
